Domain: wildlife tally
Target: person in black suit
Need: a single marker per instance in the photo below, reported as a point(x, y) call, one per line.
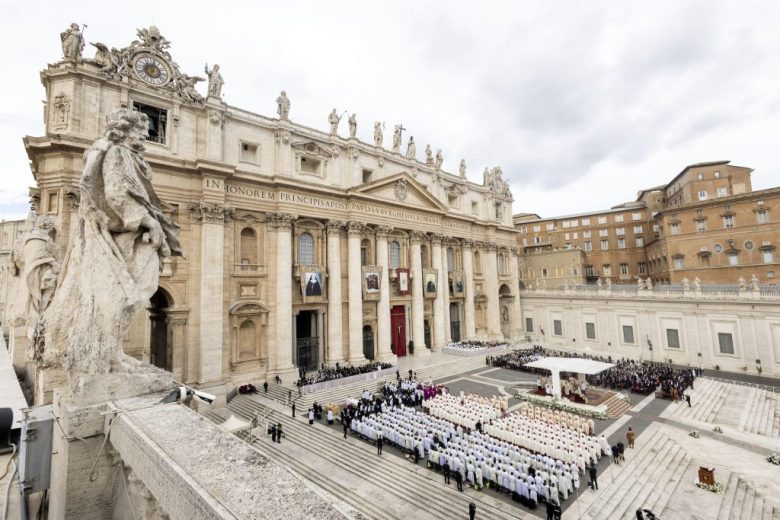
point(446, 469)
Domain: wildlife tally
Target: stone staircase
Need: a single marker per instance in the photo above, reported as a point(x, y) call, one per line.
point(383, 480)
point(340, 394)
point(741, 502)
point(616, 406)
point(761, 413)
point(647, 479)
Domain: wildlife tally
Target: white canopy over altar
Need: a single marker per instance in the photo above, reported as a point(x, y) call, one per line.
point(556, 365)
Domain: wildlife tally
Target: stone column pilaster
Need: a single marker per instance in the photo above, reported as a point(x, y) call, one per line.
point(469, 314)
point(384, 349)
point(335, 348)
point(418, 309)
point(491, 291)
point(517, 314)
point(446, 297)
point(212, 217)
point(281, 358)
point(438, 340)
point(355, 230)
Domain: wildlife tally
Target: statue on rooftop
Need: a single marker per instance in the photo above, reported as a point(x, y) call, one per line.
point(397, 138)
point(462, 168)
point(283, 106)
point(112, 269)
point(334, 119)
point(352, 122)
point(742, 283)
point(428, 155)
point(378, 134)
point(72, 43)
point(439, 159)
point(754, 282)
point(185, 87)
point(411, 148)
point(215, 81)
point(696, 284)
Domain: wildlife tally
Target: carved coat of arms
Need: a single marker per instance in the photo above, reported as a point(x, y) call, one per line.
point(400, 189)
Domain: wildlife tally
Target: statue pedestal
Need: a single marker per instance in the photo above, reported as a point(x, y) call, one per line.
point(130, 379)
point(78, 436)
point(46, 381)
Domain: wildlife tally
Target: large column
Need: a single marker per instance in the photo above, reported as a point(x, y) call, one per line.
point(438, 303)
point(335, 349)
point(384, 349)
point(418, 309)
point(446, 296)
point(281, 224)
point(517, 314)
point(355, 230)
point(491, 291)
point(469, 327)
point(212, 216)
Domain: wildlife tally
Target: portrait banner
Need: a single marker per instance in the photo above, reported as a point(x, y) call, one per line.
point(312, 283)
point(404, 285)
point(458, 284)
point(372, 278)
point(430, 282)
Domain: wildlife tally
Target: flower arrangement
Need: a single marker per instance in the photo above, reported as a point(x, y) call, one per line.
point(624, 397)
point(717, 487)
point(774, 459)
point(562, 406)
point(717, 429)
point(694, 434)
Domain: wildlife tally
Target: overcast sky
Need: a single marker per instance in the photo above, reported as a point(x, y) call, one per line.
point(581, 103)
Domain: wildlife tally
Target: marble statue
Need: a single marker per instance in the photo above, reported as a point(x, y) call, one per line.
point(112, 270)
point(649, 284)
point(598, 282)
point(696, 284)
point(185, 87)
point(352, 122)
point(439, 159)
point(742, 283)
point(378, 134)
point(35, 260)
point(283, 106)
point(397, 138)
point(686, 284)
point(333, 119)
point(754, 283)
point(113, 63)
point(215, 81)
point(428, 155)
point(411, 148)
point(72, 43)
point(462, 168)
point(609, 283)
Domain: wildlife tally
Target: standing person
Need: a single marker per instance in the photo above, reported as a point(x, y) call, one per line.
point(472, 510)
point(550, 510)
point(630, 437)
point(293, 409)
point(459, 481)
point(273, 433)
point(279, 433)
point(265, 386)
point(345, 426)
point(289, 395)
point(311, 416)
point(593, 473)
point(446, 469)
point(379, 444)
point(688, 399)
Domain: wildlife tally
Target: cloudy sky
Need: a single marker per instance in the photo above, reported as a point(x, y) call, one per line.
point(581, 103)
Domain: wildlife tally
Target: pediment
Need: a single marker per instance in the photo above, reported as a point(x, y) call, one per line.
point(400, 188)
point(312, 148)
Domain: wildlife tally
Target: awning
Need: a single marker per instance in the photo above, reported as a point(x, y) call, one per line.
point(575, 365)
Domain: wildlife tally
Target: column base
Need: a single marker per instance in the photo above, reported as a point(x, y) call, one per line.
point(438, 348)
point(388, 357)
point(357, 360)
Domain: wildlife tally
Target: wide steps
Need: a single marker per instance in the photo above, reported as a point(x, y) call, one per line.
point(742, 502)
point(441, 501)
point(616, 407)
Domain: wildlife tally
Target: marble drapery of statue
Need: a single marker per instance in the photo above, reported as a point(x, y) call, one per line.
point(378, 134)
point(72, 43)
point(112, 268)
point(411, 148)
point(185, 86)
point(742, 283)
point(215, 81)
point(754, 283)
point(352, 125)
point(333, 119)
point(439, 159)
point(462, 168)
point(397, 138)
point(283, 106)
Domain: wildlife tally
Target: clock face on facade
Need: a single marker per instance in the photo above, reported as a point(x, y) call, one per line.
point(152, 70)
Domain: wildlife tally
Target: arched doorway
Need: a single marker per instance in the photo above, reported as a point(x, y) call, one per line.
point(160, 351)
point(368, 342)
point(506, 305)
point(427, 333)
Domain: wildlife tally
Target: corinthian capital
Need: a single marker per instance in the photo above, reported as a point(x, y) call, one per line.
point(417, 236)
point(383, 232)
point(491, 246)
point(467, 243)
point(436, 238)
point(334, 227)
point(355, 228)
point(210, 212)
point(281, 221)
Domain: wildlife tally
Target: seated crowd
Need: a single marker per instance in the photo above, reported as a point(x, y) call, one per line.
point(337, 372)
point(475, 345)
point(533, 454)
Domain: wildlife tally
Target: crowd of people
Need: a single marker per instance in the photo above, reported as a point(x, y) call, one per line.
point(474, 345)
point(470, 411)
point(337, 372)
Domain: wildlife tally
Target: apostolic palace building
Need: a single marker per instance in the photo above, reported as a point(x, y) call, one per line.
point(301, 246)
